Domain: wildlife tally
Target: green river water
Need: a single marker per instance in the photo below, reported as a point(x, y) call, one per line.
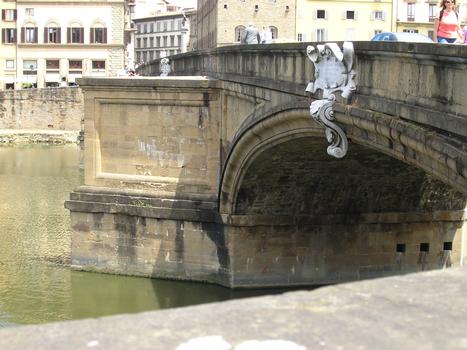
point(36, 283)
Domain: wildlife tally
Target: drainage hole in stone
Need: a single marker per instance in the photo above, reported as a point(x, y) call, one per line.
point(447, 246)
point(425, 247)
point(400, 248)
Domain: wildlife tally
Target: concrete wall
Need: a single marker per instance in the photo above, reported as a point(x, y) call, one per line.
point(51, 108)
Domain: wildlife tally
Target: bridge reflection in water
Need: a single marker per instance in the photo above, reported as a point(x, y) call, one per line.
point(224, 177)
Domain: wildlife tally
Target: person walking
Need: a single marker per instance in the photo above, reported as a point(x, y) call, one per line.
point(251, 35)
point(266, 35)
point(447, 26)
point(465, 34)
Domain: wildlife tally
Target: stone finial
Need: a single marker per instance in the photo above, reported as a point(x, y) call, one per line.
point(164, 67)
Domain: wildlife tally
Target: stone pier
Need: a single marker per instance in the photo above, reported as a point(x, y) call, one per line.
point(227, 180)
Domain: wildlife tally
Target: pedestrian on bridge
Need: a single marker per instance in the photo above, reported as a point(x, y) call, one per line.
point(447, 26)
point(251, 35)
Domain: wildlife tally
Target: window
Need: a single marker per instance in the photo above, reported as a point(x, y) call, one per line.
point(52, 66)
point(151, 42)
point(165, 41)
point(98, 66)
point(9, 15)
point(172, 40)
point(410, 30)
point(98, 35)
point(145, 28)
point(320, 35)
point(29, 35)
point(274, 32)
point(76, 67)
point(432, 12)
point(378, 15)
point(9, 64)
point(350, 15)
point(158, 26)
point(138, 28)
point(299, 37)
point(321, 14)
point(238, 32)
point(9, 35)
point(378, 31)
point(411, 11)
point(29, 11)
point(29, 67)
point(138, 43)
point(165, 26)
point(52, 35)
point(75, 35)
point(145, 42)
point(431, 34)
point(158, 41)
point(179, 40)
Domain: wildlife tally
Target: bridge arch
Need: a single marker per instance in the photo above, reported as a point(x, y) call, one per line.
point(415, 146)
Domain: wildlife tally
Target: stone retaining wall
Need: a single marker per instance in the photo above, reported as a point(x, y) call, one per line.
point(50, 108)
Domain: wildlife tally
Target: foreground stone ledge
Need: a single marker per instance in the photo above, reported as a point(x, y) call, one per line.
point(418, 311)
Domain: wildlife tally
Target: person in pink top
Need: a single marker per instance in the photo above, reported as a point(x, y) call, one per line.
point(465, 34)
point(447, 26)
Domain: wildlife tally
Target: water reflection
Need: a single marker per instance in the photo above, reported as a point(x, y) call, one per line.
point(35, 283)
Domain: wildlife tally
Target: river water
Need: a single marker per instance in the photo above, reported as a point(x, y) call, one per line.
point(36, 283)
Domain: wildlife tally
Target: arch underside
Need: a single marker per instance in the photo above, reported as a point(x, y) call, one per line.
point(296, 215)
point(417, 153)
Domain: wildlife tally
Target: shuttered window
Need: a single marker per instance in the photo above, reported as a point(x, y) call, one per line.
point(98, 35)
point(75, 35)
point(29, 35)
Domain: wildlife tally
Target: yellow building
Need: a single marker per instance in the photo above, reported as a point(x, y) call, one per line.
point(8, 45)
point(340, 20)
point(417, 16)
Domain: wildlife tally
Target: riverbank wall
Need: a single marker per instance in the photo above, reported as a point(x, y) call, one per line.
point(49, 109)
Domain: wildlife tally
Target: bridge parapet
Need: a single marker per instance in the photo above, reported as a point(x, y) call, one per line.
point(413, 81)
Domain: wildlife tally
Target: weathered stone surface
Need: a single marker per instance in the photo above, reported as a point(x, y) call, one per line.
point(419, 311)
point(14, 136)
point(241, 146)
point(43, 109)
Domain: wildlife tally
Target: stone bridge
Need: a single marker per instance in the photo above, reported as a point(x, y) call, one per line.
point(218, 173)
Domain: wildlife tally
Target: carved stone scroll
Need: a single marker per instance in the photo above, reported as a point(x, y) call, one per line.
point(333, 72)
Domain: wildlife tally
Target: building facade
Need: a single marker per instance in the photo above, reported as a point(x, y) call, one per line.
point(221, 23)
point(8, 45)
point(57, 42)
point(419, 16)
point(341, 20)
point(192, 17)
point(161, 35)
